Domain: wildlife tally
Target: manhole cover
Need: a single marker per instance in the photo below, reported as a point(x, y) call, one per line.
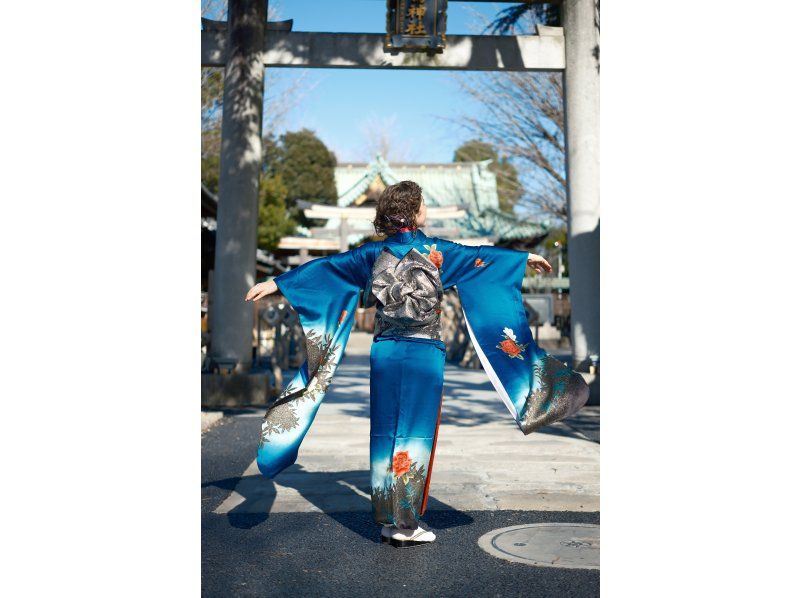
point(570, 545)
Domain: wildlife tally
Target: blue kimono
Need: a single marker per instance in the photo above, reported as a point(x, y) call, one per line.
point(404, 276)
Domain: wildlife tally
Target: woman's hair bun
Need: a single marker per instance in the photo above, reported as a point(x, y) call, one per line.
point(395, 218)
point(397, 207)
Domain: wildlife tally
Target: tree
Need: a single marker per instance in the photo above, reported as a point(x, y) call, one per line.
point(211, 126)
point(509, 189)
point(274, 221)
point(522, 116)
point(281, 95)
point(508, 19)
point(306, 166)
point(211, 88)
point(209, 172)
point(381, 135)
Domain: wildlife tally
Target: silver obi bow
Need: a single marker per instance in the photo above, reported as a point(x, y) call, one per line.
point(409, 290)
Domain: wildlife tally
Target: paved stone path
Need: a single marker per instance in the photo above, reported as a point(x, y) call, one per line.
point(483, 462)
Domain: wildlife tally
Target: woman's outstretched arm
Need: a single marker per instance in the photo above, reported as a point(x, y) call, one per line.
point(538, 263)
point(262, 289)
point(350, 268)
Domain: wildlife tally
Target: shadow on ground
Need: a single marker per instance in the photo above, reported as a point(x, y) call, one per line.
point(350, 488)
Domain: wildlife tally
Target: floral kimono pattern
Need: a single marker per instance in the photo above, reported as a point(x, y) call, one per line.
point(407, 362)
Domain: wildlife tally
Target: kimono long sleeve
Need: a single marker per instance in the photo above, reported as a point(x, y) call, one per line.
point(324, 293)
point(537, 388)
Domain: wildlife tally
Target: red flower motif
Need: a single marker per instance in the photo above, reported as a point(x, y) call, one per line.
point(435, 257)
point(509, 347)
point(401, 463)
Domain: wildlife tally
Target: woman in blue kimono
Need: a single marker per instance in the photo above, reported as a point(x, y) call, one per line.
point(404, 276)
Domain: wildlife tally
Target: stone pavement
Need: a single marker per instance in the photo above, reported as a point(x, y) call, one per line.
point(483, 462)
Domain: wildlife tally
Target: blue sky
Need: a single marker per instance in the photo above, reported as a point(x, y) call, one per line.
point(339, 103)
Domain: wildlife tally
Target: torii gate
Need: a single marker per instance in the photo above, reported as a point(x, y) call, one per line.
point(247, 44)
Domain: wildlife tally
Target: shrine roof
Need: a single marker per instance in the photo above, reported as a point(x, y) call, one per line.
point(468, 184)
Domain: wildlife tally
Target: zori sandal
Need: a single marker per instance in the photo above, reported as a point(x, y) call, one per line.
point(405, 538)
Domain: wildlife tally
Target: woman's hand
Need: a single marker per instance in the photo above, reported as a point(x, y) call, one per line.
point(262, 289)
point(538, 263)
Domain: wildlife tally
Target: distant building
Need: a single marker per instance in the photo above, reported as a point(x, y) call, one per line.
point(470, 185)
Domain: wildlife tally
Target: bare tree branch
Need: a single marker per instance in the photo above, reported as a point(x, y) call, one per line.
point(380, 134)
point(281, 94)
point(522, 115)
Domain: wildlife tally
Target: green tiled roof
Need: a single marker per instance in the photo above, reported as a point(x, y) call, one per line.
point(494, 223)
point(468, 184)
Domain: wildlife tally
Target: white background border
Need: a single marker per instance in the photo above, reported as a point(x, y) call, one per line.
point(99, 311)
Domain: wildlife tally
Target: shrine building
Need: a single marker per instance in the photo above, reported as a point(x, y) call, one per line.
point(468, 185)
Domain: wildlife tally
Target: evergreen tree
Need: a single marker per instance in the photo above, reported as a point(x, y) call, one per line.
point(274, 221)
point(509, 189)
point(306, 167)
point(209, 172)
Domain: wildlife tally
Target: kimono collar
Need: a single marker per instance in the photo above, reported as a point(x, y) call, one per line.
point(406, 236)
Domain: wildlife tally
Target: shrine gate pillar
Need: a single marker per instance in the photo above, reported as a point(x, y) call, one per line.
point(240, 165)
point(582, 109)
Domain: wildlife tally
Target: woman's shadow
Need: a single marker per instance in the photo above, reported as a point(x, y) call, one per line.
point(342, 495)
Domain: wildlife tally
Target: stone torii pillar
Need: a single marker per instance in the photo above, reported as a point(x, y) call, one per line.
point(582, 106)
point(240, 164)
